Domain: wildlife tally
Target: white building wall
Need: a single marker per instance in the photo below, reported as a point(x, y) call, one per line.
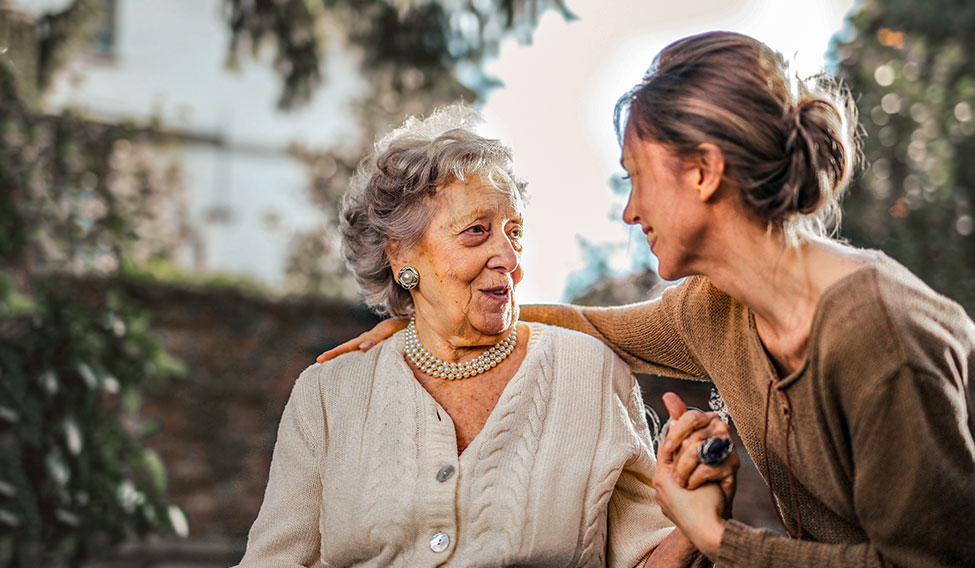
point(169, 63)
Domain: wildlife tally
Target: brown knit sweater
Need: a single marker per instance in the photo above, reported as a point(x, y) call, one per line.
point(883, 413)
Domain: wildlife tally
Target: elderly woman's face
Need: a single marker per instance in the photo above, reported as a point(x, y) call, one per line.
point(469, 261)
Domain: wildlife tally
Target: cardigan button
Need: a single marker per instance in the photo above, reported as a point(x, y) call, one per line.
point(439, 542)
point(445, 473)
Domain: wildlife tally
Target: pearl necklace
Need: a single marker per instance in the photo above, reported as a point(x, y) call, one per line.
point(443, 370)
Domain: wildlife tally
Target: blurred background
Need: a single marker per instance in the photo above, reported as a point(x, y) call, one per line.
point(170, 172)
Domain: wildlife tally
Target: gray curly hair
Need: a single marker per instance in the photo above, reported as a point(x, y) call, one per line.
point(389, 196)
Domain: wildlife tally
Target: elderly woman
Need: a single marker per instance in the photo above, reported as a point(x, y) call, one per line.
point(468, 439)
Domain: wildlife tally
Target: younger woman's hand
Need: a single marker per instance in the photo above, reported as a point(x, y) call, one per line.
point(367, 339)
point(696, 513)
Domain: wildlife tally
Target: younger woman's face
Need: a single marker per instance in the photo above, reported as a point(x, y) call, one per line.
point(664, 202)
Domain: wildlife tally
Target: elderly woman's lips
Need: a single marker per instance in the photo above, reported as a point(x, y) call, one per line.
point(499, 294)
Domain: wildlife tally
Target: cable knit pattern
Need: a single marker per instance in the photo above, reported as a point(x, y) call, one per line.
point(558, 476)
point(504, 467)
point(594, 534)
point(600, 488)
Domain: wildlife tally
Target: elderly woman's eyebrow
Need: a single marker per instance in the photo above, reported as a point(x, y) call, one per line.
point(478, 214)
point(463, 223)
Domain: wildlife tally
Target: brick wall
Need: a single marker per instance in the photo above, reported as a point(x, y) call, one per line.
point(242, 353)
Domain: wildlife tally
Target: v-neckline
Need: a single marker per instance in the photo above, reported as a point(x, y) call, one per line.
point(779, 381)
point(534, 334)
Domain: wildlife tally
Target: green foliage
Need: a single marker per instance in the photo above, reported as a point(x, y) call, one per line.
point(76, 197)
point(165, 270)
point(912, 67)
point(58, 33)
point(78, 194)
point(423, 42)
point(75, 476)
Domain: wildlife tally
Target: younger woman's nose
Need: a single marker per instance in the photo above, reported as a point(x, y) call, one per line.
point(629, 212)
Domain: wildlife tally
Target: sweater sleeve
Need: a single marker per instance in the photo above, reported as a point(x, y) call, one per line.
point(636, 523)
point(286, 533)
point(914, 485)
point(646, 335)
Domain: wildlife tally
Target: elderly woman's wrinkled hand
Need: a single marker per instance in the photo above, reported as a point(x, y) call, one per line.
point(366, 339)
point(688, 429)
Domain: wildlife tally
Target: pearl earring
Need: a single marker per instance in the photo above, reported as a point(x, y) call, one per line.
point(408, 277)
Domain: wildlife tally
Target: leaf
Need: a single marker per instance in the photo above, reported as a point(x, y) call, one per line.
point(156, 470)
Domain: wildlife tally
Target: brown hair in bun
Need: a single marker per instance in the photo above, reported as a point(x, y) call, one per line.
point(789, 144)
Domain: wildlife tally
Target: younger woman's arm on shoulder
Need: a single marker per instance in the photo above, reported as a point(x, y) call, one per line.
point(646, 335)
point(286, 533)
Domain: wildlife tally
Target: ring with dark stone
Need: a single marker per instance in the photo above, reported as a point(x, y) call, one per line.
point(713, 451)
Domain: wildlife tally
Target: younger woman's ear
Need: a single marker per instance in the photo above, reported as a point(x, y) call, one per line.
point(710, 170)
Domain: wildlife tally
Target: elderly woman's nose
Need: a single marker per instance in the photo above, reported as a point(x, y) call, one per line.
point(504, 253)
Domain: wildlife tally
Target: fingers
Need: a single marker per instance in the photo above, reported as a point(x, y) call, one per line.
point(714, 427)
point(676, 407)
point(681, 428)
point(680, 473)
point(687, 462)
point(686, 459)
point(365, 340)
point(684, 437)
point(721, 473)
point(347, 347)
point(674, 404)
point(663, 482)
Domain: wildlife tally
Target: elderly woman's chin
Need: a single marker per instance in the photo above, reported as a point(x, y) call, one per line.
point(493, 319)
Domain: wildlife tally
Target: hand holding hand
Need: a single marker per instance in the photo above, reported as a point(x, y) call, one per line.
point(367, 339)
point(687, 430)
point(699, 512)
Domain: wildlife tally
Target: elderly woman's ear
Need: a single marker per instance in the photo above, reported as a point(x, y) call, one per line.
point(394, 252)
point(404, 273)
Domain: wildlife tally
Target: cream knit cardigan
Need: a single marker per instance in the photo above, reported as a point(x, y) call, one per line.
point(559, 475)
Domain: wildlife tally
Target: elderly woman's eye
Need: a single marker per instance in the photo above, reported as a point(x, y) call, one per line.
point(477, 229)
